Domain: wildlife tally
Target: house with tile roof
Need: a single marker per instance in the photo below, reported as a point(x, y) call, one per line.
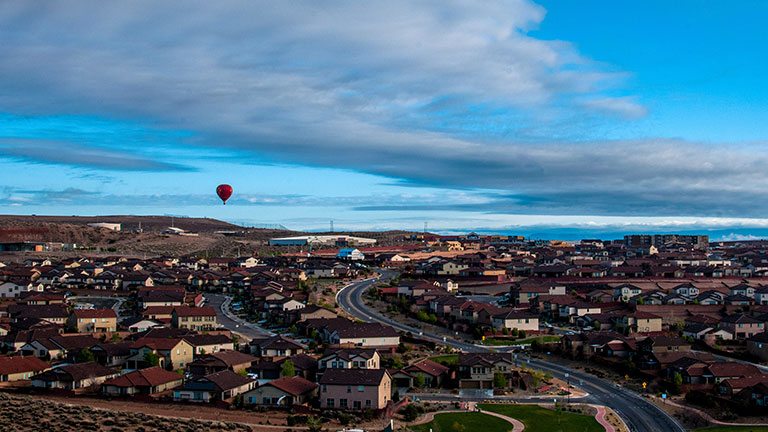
point(142, 382)
point(284, 391)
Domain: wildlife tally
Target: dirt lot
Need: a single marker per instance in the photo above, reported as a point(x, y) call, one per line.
point(24, 413)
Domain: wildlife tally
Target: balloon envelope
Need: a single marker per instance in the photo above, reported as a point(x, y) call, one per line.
point(224, 191)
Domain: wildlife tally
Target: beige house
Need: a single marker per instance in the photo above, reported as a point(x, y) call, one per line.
point(172, 352)
point(640, 322)
point(145, 382)
point(355, 389)
point(74, 376)
point(93, 320)
point(516, 320)
point(194, 318)
point(21, 368)
point(285, 391)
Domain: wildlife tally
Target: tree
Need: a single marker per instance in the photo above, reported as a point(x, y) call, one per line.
point(418, 382)
point(288, 369)
point(499, 380)
point(677, 382)
point(410, 412)
point(115, 337)
point(151, 359)
point(85, 355)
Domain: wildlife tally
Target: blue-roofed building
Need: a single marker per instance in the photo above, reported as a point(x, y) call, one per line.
point(350, 254)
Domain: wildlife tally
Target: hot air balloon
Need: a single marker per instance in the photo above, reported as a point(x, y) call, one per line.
point(224, 191)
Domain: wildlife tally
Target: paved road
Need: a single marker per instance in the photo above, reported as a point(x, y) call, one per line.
point(224, 318)
point(639, 414)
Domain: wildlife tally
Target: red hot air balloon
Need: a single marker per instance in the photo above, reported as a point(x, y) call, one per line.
point(224, 191)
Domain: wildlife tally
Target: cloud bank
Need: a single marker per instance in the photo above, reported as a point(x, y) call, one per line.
point(443, 93)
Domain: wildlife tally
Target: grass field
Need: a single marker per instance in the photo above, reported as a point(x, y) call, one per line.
point(464, 422)
point(541, 419)
point(735, 429)
point(501, 342)
point(447, 360)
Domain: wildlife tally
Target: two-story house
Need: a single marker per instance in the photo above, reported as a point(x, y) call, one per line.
point(355, 389)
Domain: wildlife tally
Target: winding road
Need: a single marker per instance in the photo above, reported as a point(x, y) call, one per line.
point(639, 414)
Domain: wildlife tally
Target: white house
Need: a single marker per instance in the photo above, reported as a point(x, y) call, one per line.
point(350, 254)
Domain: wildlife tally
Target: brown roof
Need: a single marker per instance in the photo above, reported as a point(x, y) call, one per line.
point(293, 385)
point(428, 367)
point(732, 369)
point(227, 379)
point(95, 313)
point(224, 359)
point(157, 343)
point(338, 376)
point(194, 311)
point(150, 377)
point(75, 372)
point(12, 365)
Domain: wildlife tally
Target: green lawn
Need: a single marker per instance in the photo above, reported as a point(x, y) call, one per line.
point(538, 419)
point(500, 342)
point(447, 360)
point(735, 429)
point(464, 422)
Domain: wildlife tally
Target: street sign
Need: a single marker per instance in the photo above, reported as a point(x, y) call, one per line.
point(566, 374)
point(663, 395)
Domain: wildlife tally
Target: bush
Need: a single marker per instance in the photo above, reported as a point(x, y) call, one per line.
point(410, 412)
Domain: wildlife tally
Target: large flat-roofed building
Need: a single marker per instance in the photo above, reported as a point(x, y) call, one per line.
point(318, 240)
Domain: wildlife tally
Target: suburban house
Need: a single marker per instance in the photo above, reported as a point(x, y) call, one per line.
point(93, 320)
point(355, 389)
point(209, 343)
point(639, 322)
point(214, 387)
point(73, 376)
point(757, 345)
point(21, 368)
point(476, 370)
point(314, 311)
point(142, 382)
point(516, 320)
point(194, 318)
point(362, 358)
point(434, 373)
point(742, 326)
point(285, 391)
point(172, 352)
point(276, 346)
point(207, 364)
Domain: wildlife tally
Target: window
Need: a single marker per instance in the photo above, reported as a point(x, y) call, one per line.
point(367, 403)
point(325, 388)
point(360, 388)
point(349, 389)
point(357, 404)
point(330, 402)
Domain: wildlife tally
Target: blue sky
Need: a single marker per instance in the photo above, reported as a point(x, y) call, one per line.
point(555, 117)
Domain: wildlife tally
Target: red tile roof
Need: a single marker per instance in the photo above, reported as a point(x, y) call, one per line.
point(95, 313)
point(293, 385)
point(18, 364)
point(151, 377)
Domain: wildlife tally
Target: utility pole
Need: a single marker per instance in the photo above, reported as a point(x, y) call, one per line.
point(331, 225)
point(425, 227)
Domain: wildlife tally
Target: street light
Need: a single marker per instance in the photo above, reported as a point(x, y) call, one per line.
point(568, 389)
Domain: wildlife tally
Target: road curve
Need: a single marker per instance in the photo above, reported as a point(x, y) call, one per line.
point(639, 414)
